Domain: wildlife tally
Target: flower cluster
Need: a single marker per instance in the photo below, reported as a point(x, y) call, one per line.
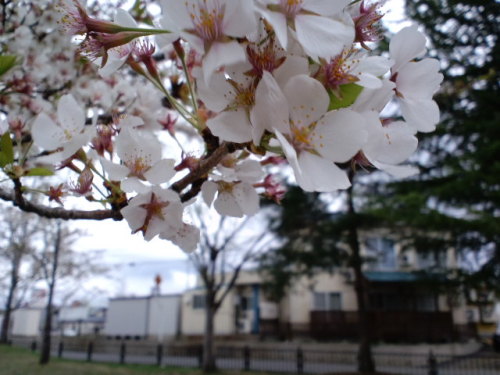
point(261, 84)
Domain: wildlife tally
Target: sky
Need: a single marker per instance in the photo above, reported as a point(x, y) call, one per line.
point(133, 262)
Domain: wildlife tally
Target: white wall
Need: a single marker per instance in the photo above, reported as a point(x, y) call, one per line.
point(26, 322)
point(74, 313)
point(164, 313)
point(127, 317)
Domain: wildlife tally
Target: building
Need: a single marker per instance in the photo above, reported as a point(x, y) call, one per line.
point(79, 319)
point(150, 317)
point(404, 306)
point(241, 312)
point(27, 321)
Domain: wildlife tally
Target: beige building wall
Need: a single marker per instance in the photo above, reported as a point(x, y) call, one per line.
point(296, 307)
point(193, 319)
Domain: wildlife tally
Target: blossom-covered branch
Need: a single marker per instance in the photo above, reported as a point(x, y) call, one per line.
point(245, 91)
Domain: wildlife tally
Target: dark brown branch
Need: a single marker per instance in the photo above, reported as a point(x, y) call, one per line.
point(195, 179)
point(199, 175)
point(57, 212)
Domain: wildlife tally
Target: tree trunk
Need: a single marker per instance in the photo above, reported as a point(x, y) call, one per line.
point(14, 278)
point(208, 339)
point(47, 328)
point(366, 364)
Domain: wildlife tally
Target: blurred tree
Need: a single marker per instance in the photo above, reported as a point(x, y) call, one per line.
point(454, 201)
point(226, 246)
point(61, 267)
point(313, 238)
point(17, 232)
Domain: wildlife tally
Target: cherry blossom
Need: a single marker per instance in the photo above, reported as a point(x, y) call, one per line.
point(389, 144)
point(233, 185)
point(352, 66)
point(141, 156)
point(208, 25)
point(215, 108)
point(64, 136)
point(321, 27)
point(313, 137)
point(153, 212)
point(416, 81)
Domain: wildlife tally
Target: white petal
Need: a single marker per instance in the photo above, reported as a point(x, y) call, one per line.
point(226, 204)
point(130, 122)
point(116, 172)
point(406, 45)
point(133, 184)
point(114, 62)
point(271, 108)
point(400, 171)
point(186, 237)
point(321, 175)
point(218, 94)
point(239, 18)
point(221, 54)
point(321, 36)
point(249, 171)
point(419, 79)
point(132, 146)
point(172, 214)
point(375, 65)
point(325, 7)
point(177, 12)
point(46, 133)
point(208, 190)
point(307, 98)
point(292, 66)
point(293, 160)
point(161, 171)
point(278, 22)
point(74, 145)
point(231, 126)
point(247, 198)
point(123, 18)
point(339, 135)
point(369, 81)
point(70, 115)
point(135, 216)
point(423, 115)
point(389, 144)
point(374, 99)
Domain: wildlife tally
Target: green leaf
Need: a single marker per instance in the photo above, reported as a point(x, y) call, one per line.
point(348, 95)
point(6, 150)
point(6, 63)
point(39, 171)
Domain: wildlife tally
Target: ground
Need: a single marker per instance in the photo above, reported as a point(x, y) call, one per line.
point(17, 361)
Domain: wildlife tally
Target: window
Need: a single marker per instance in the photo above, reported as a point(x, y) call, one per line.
point(381, 253)
point(246, 303)
point(199, 301)
point(430, 260)
point(426, 302)
point(327, 301)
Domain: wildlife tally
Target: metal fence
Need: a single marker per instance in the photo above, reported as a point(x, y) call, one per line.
point(298, 360)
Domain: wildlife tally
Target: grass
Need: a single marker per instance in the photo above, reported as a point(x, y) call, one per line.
point(18, 361)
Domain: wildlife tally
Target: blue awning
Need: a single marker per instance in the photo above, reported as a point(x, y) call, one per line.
point(391, 276)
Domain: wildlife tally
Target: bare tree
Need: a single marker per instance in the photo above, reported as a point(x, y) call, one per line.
point(17, 233)
point(61, 266)
point(226, 246)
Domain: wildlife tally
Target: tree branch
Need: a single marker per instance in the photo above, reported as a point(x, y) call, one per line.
point(195, 179)
point(57, 212)
point(198, 175)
